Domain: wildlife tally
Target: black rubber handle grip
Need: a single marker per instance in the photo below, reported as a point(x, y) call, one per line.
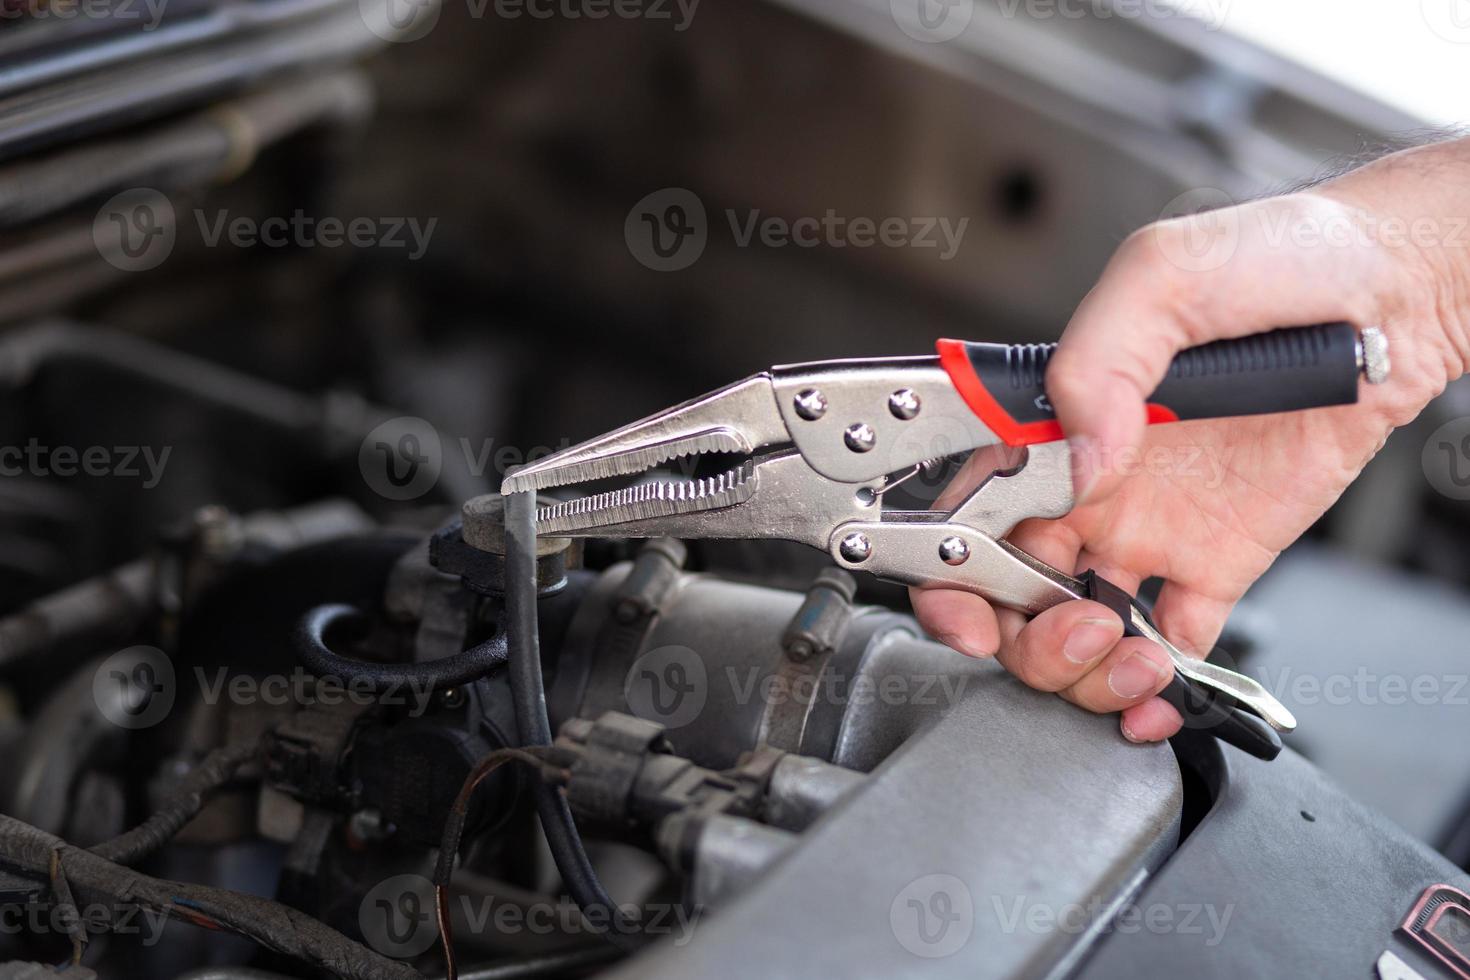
point(1279, 371)
point(1199, 706)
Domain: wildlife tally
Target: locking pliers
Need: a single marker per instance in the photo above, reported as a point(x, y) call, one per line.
point(820, 444)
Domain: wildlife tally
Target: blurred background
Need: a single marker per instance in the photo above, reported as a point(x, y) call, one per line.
point(240, 237)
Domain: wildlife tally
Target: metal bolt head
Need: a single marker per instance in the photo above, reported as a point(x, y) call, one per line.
point(860, 437)
point(810, 404)
point(856, 547)
point(904, 403)
point(954, 551)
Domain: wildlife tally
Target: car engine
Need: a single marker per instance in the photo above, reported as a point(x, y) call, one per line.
point(287, 287)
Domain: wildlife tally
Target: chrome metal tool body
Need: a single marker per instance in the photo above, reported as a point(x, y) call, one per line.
point(823, 442)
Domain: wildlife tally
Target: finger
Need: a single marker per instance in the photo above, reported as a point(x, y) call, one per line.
point(1133, 671)
point(1050, 541)
point(1124, 578)
point(1159, 294)
point(1152, 721)
point(1062, 644)
point(960, 620)
point(1191, 620)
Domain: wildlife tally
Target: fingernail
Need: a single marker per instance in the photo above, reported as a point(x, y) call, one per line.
point(967, 645)
point(1128, 734)
point(1136, 676)
point(1083, 450)
point(1090, 639)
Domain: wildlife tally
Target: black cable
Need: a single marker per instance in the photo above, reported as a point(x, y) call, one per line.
point(271, 924)
point(553, 964)
point(454, 832)
point(434, 675)
point(534, 727)
point(194, 790)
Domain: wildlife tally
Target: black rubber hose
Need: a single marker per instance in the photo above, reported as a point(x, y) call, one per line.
point(534, 727)
point(434, 675)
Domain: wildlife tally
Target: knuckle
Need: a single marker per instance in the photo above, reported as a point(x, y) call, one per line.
point(1144, 254)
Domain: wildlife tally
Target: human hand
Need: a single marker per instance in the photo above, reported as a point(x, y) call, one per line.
point(1208, 505)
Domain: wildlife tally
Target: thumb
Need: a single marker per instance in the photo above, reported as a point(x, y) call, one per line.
point(1156, 298)
point(1111, 357)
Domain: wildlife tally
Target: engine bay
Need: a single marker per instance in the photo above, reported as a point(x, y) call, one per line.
point(288, 288)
